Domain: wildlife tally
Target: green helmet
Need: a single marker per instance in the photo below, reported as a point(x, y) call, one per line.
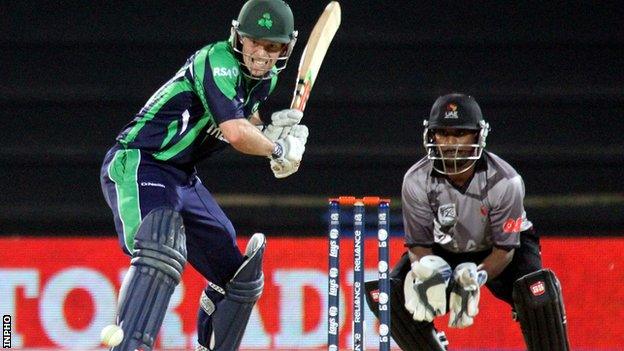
point(270, 20)
point(267, 19)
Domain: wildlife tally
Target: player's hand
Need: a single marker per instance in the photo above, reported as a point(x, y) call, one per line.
point(279, 120)
point(301, 132)
point(284, 168)
point(425, 288)
point(464, 300)
point(293, 147)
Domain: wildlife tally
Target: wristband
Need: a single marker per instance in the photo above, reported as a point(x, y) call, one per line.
point(278, 151)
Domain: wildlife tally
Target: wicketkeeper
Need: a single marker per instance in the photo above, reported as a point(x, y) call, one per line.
point(466, 227)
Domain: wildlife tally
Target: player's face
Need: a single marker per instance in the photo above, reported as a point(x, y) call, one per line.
point(454, 143)
point(260, 55)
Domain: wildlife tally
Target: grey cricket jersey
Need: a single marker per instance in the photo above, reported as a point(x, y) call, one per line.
point(488, 211)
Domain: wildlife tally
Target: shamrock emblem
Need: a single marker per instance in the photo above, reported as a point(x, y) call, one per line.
point(266, 21)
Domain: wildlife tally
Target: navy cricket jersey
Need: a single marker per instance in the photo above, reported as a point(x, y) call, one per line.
point(179, 124)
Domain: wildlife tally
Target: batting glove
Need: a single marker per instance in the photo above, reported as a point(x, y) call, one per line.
point(289, 152)
point(280, 120)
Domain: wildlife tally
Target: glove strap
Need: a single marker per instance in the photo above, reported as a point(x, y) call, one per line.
point(464, 296)
point(421, 290)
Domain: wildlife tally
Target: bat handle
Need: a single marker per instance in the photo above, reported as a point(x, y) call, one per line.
point(296, 104)
point(285, 132)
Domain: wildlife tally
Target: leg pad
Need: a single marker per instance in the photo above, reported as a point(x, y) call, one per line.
point(155, 270)
point(539, 309)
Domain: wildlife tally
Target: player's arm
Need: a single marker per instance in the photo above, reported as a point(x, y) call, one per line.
point(424, 285)
point(246, 138)
point(417, 217)
point(496, 261)
point(255, 119)
point(215, 77)
point(285, 152)
point(507, 222)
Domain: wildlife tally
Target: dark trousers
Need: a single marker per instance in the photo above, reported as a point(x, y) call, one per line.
point(133, 184)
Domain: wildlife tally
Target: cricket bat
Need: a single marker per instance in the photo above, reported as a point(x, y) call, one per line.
point(314, 53)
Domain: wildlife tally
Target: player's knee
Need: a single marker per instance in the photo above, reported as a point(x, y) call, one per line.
point(160, 243)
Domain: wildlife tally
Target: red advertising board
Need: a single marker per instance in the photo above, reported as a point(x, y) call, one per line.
point(60, 292)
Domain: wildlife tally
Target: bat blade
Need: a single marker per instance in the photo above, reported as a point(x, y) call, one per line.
point(314, 52)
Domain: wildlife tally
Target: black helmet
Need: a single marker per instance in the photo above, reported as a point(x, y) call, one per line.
point(270, 20)
point(455, 111)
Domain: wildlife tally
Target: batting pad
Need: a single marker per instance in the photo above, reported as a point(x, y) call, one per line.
point(156, 267)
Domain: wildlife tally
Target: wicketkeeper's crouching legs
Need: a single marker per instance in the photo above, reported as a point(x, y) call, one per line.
point(158, 259)
point(223, 319)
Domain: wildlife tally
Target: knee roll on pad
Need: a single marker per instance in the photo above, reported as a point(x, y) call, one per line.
point(406, 332)
point(155, 270)
point(539, 309)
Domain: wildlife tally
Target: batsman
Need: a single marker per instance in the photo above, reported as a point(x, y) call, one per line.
point(465, 228)
point(164, 215)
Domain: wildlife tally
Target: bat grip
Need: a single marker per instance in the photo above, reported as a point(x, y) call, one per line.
point(296, 103)
point(285, 132)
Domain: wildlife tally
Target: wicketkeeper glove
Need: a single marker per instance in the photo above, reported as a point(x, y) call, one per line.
point(464, 300)
point(425, 288)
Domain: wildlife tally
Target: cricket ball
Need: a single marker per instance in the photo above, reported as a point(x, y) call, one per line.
point(111, 335)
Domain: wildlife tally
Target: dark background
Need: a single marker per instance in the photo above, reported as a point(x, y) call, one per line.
point(549, 79)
